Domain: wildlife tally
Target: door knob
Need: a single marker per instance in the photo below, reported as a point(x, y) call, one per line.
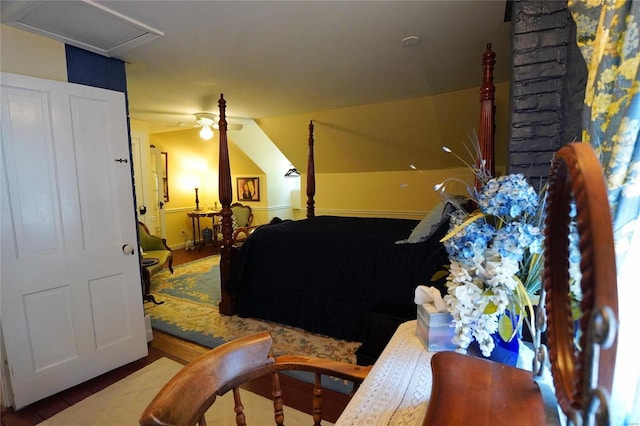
point(127, 249)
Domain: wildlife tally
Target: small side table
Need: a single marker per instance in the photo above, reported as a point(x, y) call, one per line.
point(195, 225)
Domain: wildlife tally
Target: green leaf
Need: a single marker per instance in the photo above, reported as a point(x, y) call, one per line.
point(505, 328)
point(490, 309)
point(439, 274)
point(523, 300)
point(576, 312)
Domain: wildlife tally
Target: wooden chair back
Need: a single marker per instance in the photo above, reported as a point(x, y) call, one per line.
point(244, 220)
point(243, 214)
point(468, 390)
point(192, 391)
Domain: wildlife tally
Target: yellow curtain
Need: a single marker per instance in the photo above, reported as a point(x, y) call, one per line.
point(608, 36)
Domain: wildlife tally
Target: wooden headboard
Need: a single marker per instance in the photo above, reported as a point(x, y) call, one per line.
point(486, 136)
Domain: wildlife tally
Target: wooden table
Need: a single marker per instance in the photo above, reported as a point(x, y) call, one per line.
point(195, 216)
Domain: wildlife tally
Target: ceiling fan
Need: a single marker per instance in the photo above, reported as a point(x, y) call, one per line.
point(164, 121)
point(208, 122)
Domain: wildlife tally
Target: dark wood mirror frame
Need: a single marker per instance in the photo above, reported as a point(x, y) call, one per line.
point(165, 175)
point(576, 176)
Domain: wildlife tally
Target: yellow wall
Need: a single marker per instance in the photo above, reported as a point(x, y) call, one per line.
point(389, 136)
point(28, 54)
point(364, 154)
point(407, 194)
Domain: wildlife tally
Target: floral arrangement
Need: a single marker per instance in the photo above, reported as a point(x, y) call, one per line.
point(496, 258)
point(495, 255)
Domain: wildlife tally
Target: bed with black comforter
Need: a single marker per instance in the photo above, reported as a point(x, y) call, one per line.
point(323, 274)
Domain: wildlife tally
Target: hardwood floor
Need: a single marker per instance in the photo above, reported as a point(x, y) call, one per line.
point(162, 345)
point(183, 256)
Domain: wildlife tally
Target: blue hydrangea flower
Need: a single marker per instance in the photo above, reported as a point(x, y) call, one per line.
point(470, 241)
point(509, 195)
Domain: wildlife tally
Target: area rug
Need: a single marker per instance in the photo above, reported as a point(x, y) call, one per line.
point(123, 402)
point(198, 281)
point(190, 312)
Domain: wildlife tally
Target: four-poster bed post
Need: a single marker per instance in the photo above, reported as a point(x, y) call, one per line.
point(487, 128)
point(227, 305)
point(311, 175)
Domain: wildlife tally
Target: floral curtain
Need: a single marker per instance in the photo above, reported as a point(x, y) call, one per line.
point(608, 36)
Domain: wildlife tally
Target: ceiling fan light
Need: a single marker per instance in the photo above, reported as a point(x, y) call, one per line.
point(206, 132)
point(204, 121)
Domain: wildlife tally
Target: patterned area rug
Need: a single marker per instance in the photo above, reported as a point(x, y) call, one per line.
point(190, 312)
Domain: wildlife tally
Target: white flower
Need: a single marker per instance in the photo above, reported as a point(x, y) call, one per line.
point(458, 273)
point(485, 327)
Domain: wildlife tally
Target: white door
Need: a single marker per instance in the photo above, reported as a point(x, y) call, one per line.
point(71, 294)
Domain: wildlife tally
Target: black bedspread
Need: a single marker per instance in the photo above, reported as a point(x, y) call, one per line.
point(323, 274)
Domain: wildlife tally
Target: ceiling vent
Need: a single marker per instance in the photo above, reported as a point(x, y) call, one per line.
point(83, 23)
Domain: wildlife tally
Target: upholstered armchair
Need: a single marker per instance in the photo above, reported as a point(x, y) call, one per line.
point(154, 247)
point(155, 255)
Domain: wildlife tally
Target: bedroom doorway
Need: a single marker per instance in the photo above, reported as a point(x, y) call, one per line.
point(150, 179)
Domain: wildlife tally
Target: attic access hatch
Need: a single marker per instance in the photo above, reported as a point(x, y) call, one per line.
point(84, 24)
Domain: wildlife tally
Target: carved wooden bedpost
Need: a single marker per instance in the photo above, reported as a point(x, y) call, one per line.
point(487, 112)
point(227, 305)
point(311, 176)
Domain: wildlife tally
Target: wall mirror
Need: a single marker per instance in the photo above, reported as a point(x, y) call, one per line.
point(165, 176)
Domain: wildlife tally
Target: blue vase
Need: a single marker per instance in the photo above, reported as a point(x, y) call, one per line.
point(207, 235)
point(505, 352)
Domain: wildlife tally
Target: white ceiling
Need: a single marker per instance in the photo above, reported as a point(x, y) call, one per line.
point(276, 58)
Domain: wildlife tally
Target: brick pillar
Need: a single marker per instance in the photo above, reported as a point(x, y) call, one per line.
point(548, 82)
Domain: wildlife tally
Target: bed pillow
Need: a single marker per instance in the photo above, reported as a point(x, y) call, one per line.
point(433, 220)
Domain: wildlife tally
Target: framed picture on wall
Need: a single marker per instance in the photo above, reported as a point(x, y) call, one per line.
point(248, 188)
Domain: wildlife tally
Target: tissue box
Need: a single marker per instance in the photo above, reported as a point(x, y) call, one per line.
point(434, 329)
